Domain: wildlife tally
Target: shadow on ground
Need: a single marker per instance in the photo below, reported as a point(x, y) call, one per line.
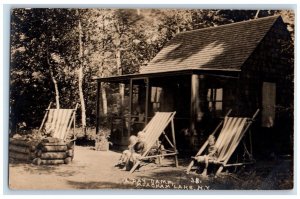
point(99, 185)
point(57, 170)
point(263, 176)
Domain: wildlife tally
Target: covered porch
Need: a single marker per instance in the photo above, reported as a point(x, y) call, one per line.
point(199, 97)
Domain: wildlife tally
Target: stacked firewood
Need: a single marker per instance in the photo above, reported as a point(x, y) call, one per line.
point(23, 148)
point(40, 150)
point(52, 151)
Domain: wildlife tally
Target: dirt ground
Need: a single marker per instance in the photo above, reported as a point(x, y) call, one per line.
point(92, 169)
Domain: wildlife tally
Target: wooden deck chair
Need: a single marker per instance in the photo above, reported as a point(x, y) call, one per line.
point(153, 130)
point(59, 121)
point(232, 132)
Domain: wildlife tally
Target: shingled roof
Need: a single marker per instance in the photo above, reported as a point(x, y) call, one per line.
point(224, 47)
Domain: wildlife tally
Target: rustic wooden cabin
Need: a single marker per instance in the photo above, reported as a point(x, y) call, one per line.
point(201, 74)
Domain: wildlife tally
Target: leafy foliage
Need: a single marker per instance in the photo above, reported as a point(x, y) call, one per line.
point(47, 39)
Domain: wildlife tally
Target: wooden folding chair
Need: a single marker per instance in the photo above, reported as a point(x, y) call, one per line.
point(153, 131)
point(59, 121)
point(231, 134)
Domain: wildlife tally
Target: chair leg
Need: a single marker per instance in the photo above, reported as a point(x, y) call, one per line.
point(219, 170)
point(135, 166)
point(190, 167)
point(174, 142)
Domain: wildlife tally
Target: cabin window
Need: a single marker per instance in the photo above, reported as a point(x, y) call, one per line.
point(156, 93)
point(215, 99)
point(268, 104)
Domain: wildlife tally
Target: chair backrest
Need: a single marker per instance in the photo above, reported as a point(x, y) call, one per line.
point(59, 121)
point(230, 136)
point(155, 127)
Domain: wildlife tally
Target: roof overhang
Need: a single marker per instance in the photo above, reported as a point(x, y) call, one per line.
point(212, 72)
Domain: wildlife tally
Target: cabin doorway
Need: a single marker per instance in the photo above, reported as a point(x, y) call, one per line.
point(139, 95)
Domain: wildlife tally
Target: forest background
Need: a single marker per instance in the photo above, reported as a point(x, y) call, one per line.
point(56, 53)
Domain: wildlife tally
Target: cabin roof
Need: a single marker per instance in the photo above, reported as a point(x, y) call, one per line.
point(225, 47)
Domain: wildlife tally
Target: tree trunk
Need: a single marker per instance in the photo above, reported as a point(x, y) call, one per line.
point(82, 103)
point(120, 72)
point(80, 78)
point(56, 89)
point(177, 23)
point(178, 30)
point(104, 99)
point(256, 15)
point(102, 85)
point(54, 82)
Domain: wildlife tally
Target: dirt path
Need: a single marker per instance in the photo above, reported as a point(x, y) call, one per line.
point(89, 169)
point(95, 170)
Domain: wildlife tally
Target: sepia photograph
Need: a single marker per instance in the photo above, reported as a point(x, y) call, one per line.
point(151, 99)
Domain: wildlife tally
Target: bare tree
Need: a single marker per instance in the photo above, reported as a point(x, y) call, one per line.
point(80, 73)
point(53, 80)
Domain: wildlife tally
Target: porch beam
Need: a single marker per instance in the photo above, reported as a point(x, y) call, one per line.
point(213, 72)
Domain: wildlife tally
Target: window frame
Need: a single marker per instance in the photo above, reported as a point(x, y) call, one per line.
point(212, 99)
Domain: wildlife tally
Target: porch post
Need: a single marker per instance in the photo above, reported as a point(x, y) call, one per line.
point(130, 107)
point(147, 101)
point(122, 96)
point(194, 101)
point(98, 107)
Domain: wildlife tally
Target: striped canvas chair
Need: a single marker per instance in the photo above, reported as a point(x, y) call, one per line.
point(58, 121)
point(231, 134)
point(153, 130)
